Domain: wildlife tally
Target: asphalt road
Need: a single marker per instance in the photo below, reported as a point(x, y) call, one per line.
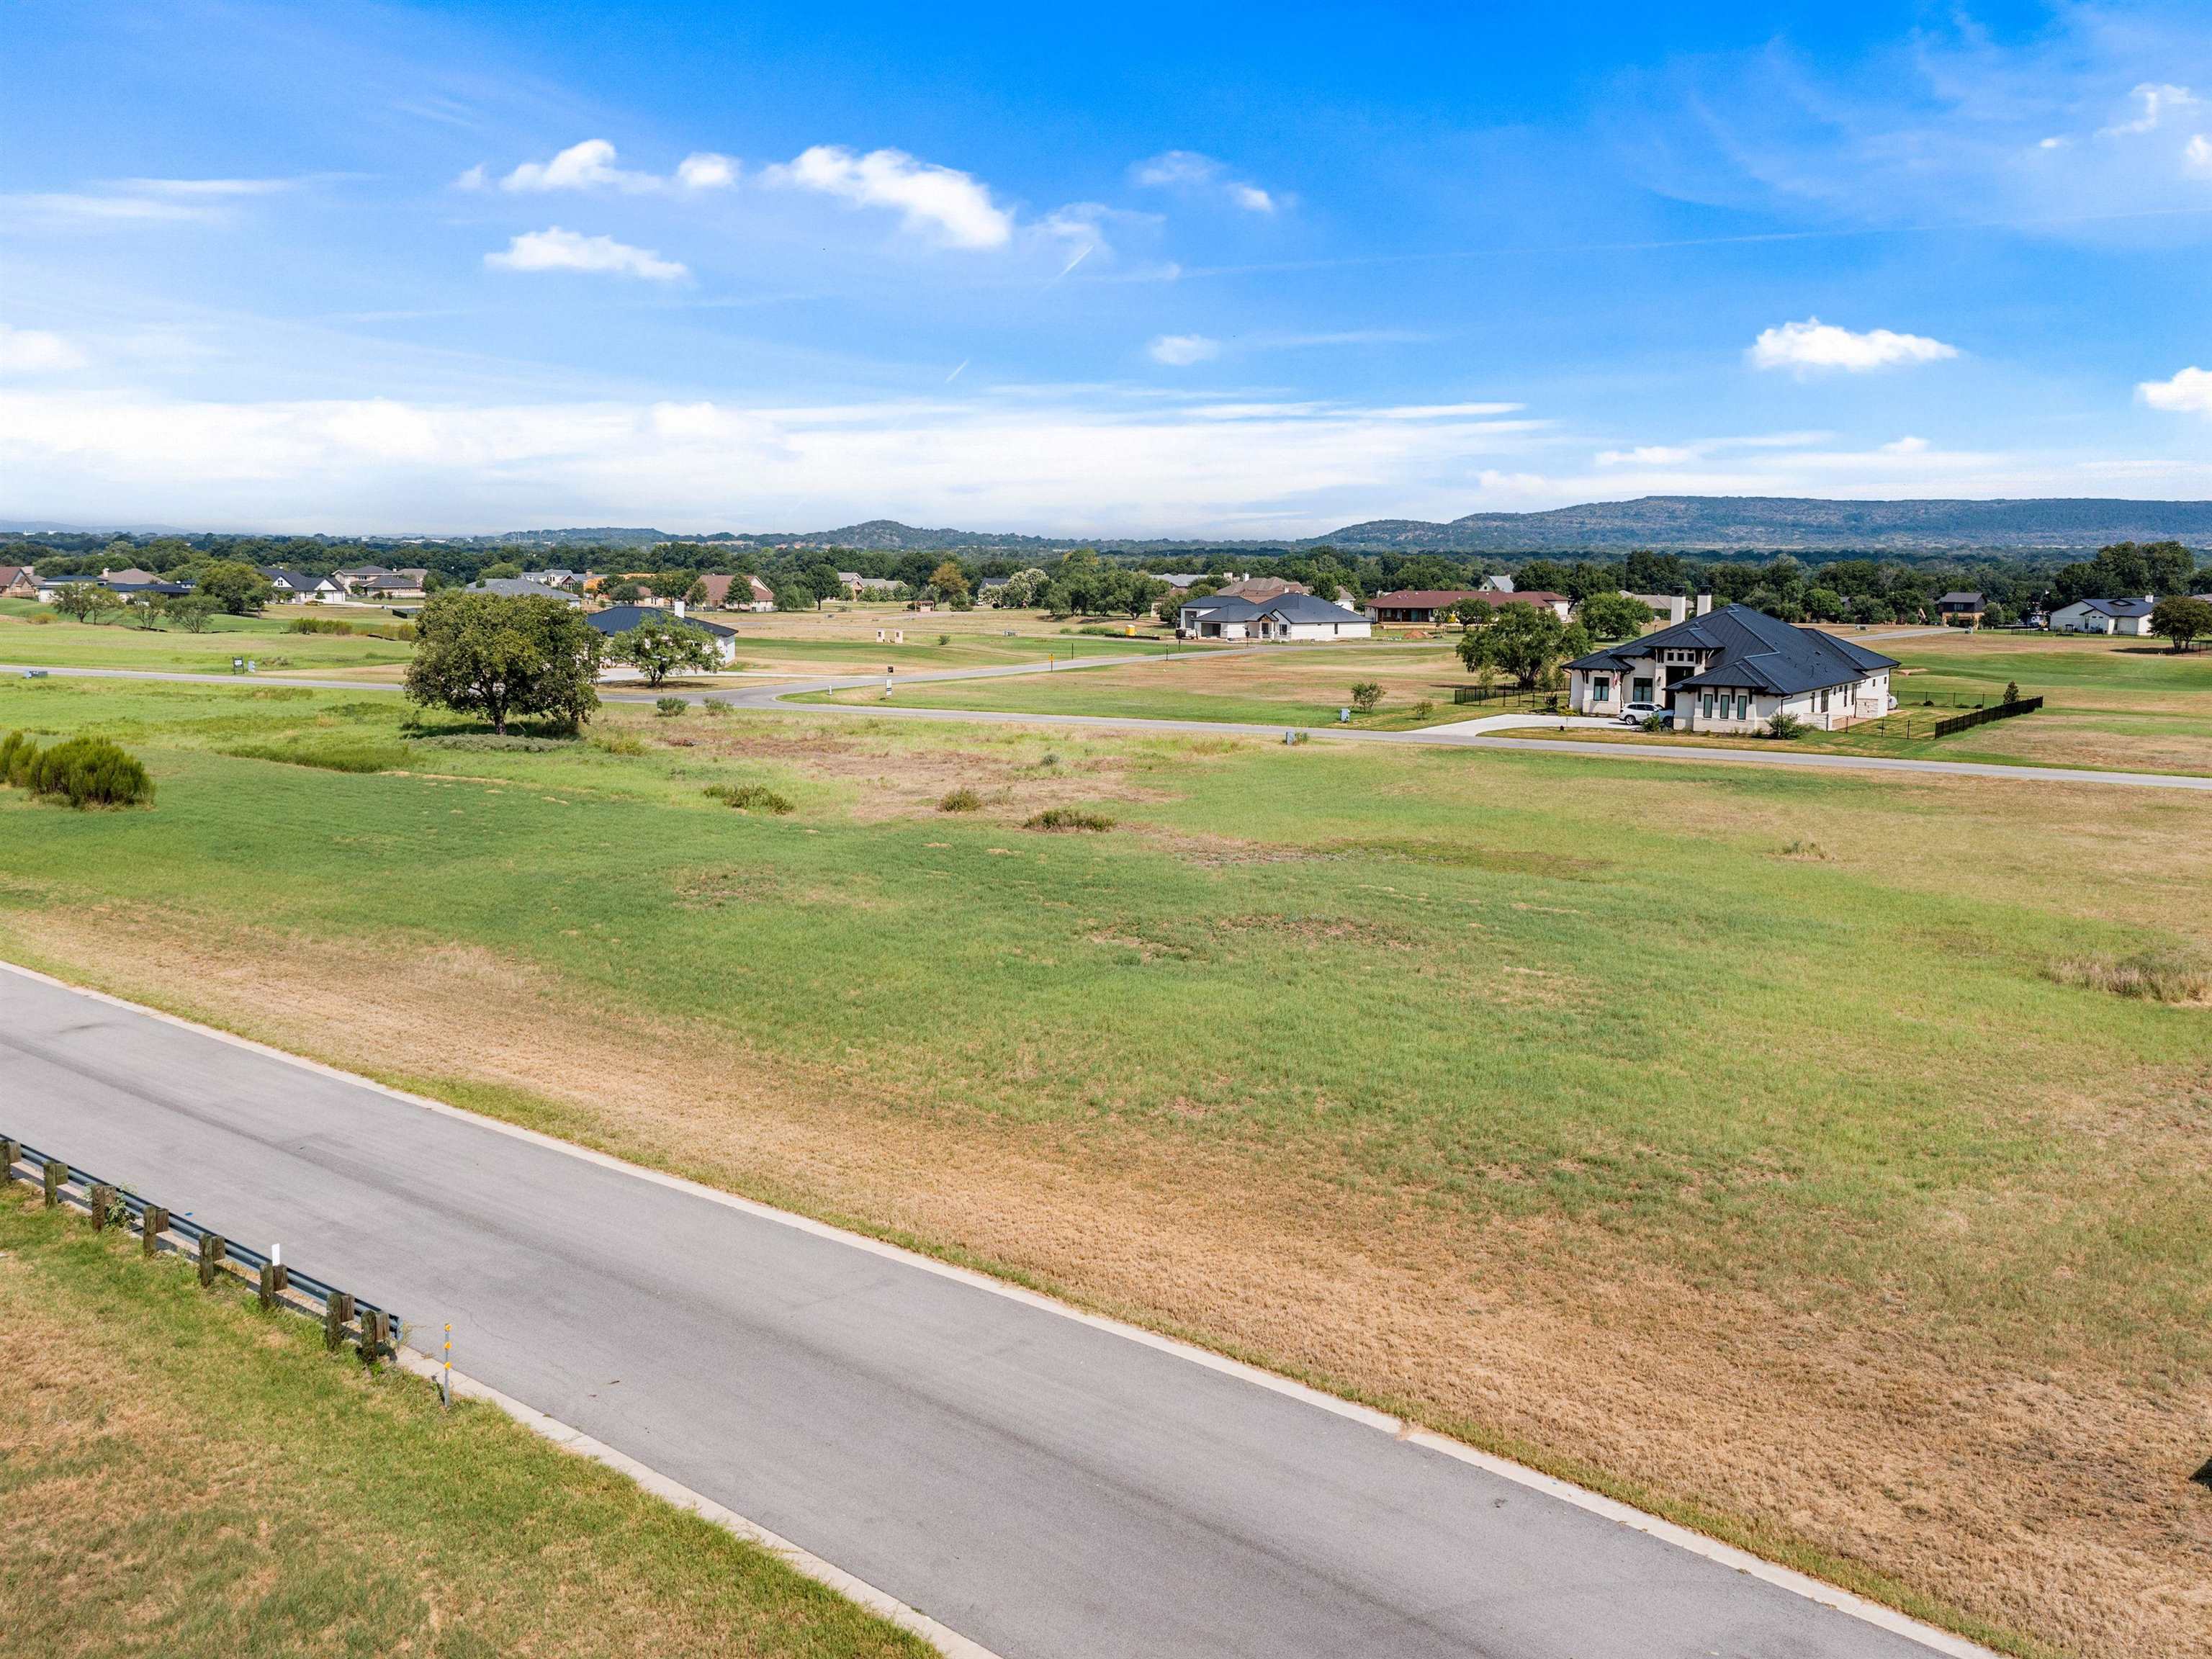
point(1043, 1484)
point(771, 697)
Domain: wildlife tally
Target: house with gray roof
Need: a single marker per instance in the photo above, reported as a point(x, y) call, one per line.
point(2103, 617)
point(619, 619)
point(1278, 616)
point(297, 587)
point(520, 587)
point(1733, 670)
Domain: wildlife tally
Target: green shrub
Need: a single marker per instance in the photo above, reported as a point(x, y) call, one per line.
point(752, 798)
point(341, 755)
point(318, 625)
point(1785, 727)
point(619, 743)
point(1068, 818)
point(961, 800)
point(669, 707)
point(84, 771)
point(1366, 696)
point(714, 706)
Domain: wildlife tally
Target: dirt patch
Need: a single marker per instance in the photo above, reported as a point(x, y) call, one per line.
point(2058, 1500)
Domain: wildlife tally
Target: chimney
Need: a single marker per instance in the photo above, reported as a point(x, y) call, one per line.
point(1704, 605)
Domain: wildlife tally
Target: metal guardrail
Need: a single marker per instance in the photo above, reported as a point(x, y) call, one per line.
point(376, 1331)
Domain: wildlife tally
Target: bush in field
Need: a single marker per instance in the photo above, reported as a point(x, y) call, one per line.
point(1366, 696)
point(752, 798)
point(84, 771)
point(318, 625)
point(669, 707)
point(961, 800)
point(1068, 818)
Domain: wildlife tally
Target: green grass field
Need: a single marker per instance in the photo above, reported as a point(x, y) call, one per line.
point(183, 1476)
point(31, 634)
point(1735, 1140)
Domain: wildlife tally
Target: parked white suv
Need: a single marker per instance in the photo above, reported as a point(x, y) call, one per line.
point(1637, 713)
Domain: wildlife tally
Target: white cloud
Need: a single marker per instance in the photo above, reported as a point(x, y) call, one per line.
point(78, 207)
point(1907, 446)
point(2155, 101)
point(1190, 170)
point(953, 206)
point(2196, 155)
point(706, 170)
point(35, 351)
point(1647, 455)
point(474, 178)
point(207, 187)
point(1813, 345)
point(2189, 393)
point(555, 249)
point(1181, 350)
point(591, 166)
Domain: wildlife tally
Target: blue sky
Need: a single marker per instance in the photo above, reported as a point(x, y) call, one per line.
point(1255, 272)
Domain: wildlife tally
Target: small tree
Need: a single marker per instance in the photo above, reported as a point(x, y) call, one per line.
point(1525, 640)
point(1612, 615)
point(2012, 691)
point(485, 653)
point(1365, 695)
point(193, 612)
point(950, 581)
point(2183, 620)
point(80, 601)
point(238, 587)
point(144, 609)
point(659, 646)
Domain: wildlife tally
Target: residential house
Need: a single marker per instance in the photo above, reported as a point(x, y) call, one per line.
point(125, 584)
point(411, 584)
point(296, 588)
point(1180, 581)
point(738, 592)
point(1961, 609)
point(520, 587)
point(1260, 587)
point(1670, 608)
point(2103, 617)
point(869, 588)
point(1558, 604)
point(619, 619)
point(1733, 671)
point(1427, 606)
point(18, 581)
point(356, 577)
point(1281, 616)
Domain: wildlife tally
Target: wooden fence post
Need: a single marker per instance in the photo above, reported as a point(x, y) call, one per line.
point(211, 1252)
point(337, 1312)
point(9, 1152)
point(103, 1197)
point(57, 1173)
point(154, 1224)
point(375, 1335)
point(268, 1285)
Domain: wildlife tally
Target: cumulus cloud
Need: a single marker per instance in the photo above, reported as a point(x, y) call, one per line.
point(1906, 446)
point(591, 166)
point(1813, 346)
point(1188, 170)
point(203, 188)
point(555, 249)
point(953, 207)
point(1647, 455)
point(1181, 350)
point(2153, 103)
point(36, 351)
point(2189, 393)
point(2196, 155)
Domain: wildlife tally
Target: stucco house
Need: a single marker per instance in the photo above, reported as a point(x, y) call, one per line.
point(618, 619)
point(2103, 617)
point(297, 587)
point(1283, 617)
point(1733, 671)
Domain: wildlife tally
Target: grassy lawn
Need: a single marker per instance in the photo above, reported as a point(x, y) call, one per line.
point(1746, 1144)
point(841, 640)
point(31, 634)
point(185, 1476)
point(1286, 685)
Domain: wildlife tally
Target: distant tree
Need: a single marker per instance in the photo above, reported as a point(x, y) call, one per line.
point(238, 587)
point(950, 581)
point(486, 653)
point(144, 609)
point(1612, 615)
point(1646, 572)
point(2182, 619)
point(505, 570)
point(1472, 613)
point(621, 593)
point(1366, 695)
point(82, 601)
point(823, 581)
point(1525, 640)
point(659, 646)
point(193, 612)
point(793, 593)
point(1542, 576)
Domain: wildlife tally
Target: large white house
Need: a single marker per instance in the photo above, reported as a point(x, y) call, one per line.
point(2103, 617)
point(1283, 617)
point(1733, 671)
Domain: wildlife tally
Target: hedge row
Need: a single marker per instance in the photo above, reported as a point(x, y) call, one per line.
point(85, 771)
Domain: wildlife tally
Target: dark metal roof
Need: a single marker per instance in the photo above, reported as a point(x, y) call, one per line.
point(1291, 607)
point(1749, 649)
point(621, 618)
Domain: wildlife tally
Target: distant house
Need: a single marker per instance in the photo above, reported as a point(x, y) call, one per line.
point(1260, 587)
point(520, 587)
point(125, 584)
point(562, 578)
point(1667, 607)
point(1964, 609)
point(2103, 617)
point(1283, 617)
point(869, 588)
point(619, 619)
point(18, 581)
point(740, 592)
point(1558, 604)
point(395, 584)
point(1734, 671)
point(1427, 606)
point(296, 588)
point(1180, 581)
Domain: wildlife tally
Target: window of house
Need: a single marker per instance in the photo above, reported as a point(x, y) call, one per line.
point(1742, 706)
point(1600, 687)
point(1705, 706)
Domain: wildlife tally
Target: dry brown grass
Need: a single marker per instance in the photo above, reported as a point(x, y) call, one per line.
point(2152, 975)
point(2051, 1499)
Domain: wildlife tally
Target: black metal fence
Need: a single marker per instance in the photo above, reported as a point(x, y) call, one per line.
point(2003, 711)
point(345, 1317)
point(1508, 698)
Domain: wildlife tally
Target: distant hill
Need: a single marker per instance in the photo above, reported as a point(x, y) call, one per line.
point(1686, 522)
